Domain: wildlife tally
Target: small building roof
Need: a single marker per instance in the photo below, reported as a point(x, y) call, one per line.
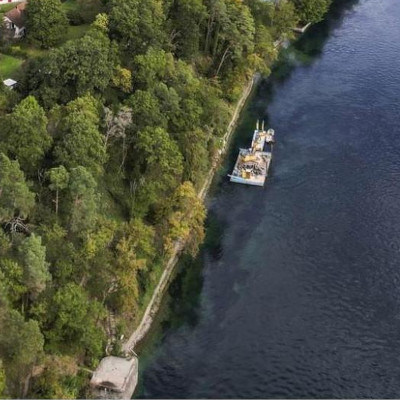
point(17, 15)
point(115, 373)
point(10, 82)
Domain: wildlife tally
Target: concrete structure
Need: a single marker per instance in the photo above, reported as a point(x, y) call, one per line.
point(301, 29)
point(14, 20)
point(115, 378)
point(10, 83)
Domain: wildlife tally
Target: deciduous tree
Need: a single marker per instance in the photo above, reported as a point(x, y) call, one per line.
point(46, 22)
point(185, 220)
point(312, 10)
point(160, 167)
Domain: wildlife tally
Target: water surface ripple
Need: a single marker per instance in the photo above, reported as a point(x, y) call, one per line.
point(302, 296)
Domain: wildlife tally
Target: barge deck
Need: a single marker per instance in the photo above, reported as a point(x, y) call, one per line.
point(252, 165)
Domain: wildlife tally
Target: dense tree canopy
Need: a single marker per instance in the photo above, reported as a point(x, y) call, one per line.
point(46, 22)
point(138, 24)
point(76, 68)
point(312, 10)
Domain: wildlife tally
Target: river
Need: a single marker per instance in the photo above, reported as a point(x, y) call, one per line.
point(297, 291)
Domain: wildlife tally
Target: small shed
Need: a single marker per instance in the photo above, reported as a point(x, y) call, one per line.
point(10, 83)
point(115, 378)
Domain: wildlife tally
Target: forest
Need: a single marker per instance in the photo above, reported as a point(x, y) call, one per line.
point(104, 144)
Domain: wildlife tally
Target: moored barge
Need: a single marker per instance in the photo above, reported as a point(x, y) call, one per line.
point(252, 165)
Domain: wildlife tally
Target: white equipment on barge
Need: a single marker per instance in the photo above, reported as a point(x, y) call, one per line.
point(252, 165)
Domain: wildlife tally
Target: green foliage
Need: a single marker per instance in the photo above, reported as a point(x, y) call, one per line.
point(146, 110)
point(25, 135)
point(2, 380)
point(21, 343)
point(59, 179)
point(284, 18)
point(135, 251)
point(186, 18)
point(76, 68)
point(185, 220)
point(160, 167)
point(32, 255)
point(137, 24)
point(84, 200)
point(101, 23)
point(58, 380)
point(88, 9)
point(13, 278)
point(15, 197)
point(81, 143)
point(72, 318)
point(122, 79)
point(46, 22)
point(312, 10)
point(153, 66)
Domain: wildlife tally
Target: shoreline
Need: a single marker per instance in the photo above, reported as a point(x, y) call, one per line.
point(154, 305)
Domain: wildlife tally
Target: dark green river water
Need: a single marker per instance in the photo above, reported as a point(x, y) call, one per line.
point(297, 290)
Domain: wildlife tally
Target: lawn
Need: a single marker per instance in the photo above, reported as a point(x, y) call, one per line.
point(9, 66)
point(70, 5)
point(75, 32)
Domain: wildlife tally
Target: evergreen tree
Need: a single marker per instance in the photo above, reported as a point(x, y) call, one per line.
point(32, 255)
point(59, 178)
point(81, 143)
point(25, 135)
point(21, 343)
point(137, 24)
point(84, 200)
point(15, 197)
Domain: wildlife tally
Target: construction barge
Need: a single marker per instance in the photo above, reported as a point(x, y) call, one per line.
point(252, 165)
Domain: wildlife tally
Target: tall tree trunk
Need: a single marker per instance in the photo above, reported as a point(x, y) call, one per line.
point(208, 35)
point(57, 202)
point(216, 40)
point(222, 60)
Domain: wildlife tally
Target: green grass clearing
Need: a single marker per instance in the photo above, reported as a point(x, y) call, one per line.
point(75, 32)
point(70, 5)
point(9, 66)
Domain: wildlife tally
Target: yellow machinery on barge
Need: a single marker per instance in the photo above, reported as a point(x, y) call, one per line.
point(252, 165)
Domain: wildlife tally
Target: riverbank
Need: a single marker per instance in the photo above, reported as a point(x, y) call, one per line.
point(156, 299)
